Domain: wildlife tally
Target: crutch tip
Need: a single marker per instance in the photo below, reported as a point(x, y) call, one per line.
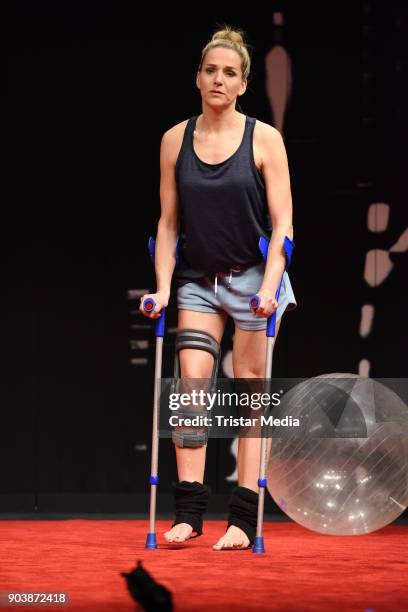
point(258, 545)
point(151, 541)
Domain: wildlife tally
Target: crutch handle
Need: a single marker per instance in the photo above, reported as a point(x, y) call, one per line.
point(255, 300)
point(149, 304)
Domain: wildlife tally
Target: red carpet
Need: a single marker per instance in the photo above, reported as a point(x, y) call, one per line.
point(300, 571)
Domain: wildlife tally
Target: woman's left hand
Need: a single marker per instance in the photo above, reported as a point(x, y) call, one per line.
point(268, 304)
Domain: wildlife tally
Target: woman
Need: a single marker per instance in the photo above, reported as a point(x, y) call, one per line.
point(225, 178)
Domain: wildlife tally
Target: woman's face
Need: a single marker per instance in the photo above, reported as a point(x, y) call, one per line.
point(220, 78)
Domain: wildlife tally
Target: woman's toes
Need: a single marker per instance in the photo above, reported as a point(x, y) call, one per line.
point(219, 544)
point(179, 533)
point(233, 539)
point(168, 536)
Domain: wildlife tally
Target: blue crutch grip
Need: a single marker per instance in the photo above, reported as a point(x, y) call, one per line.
point(149, 302)
point(254, 300)
point(149, 305)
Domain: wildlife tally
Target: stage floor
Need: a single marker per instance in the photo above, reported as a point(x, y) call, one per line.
point(300, 570)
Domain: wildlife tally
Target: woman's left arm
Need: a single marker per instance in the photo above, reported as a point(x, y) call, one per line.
point(277, 184)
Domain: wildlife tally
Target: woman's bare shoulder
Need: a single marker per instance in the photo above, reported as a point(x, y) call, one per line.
point(175, 133)
point(172, 141)
point(264, 131)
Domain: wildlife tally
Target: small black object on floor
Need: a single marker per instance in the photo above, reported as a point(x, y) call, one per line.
point(151, 595)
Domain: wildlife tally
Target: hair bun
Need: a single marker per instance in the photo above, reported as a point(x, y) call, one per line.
point(234, 36)
point(231, 38)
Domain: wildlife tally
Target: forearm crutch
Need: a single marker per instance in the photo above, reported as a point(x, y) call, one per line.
point(148, 306)
point(254, 301)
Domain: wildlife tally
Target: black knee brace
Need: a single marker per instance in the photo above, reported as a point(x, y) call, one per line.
point(243, 511)
point(191, 436)
point(190, 501)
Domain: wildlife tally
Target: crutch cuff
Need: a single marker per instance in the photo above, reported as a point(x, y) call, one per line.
point(190, 501)
point(243, 511)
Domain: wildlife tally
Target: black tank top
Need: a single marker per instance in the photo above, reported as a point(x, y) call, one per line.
point(223, 208)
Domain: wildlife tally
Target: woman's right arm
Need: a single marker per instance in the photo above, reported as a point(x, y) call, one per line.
point(167, 229)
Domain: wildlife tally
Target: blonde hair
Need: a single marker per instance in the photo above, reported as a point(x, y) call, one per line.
point(230, 39)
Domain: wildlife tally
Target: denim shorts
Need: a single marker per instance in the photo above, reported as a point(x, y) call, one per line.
point(230, 292)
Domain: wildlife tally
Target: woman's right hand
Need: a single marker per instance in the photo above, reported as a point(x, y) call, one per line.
point(161, 300)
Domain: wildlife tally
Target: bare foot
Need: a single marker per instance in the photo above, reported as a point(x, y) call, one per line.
point(234, 538)
point(179, 533)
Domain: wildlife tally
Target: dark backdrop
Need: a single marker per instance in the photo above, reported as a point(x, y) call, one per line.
point(91, 89)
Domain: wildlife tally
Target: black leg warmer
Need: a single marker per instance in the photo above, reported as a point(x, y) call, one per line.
point(243, 510)
point(190, 501)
